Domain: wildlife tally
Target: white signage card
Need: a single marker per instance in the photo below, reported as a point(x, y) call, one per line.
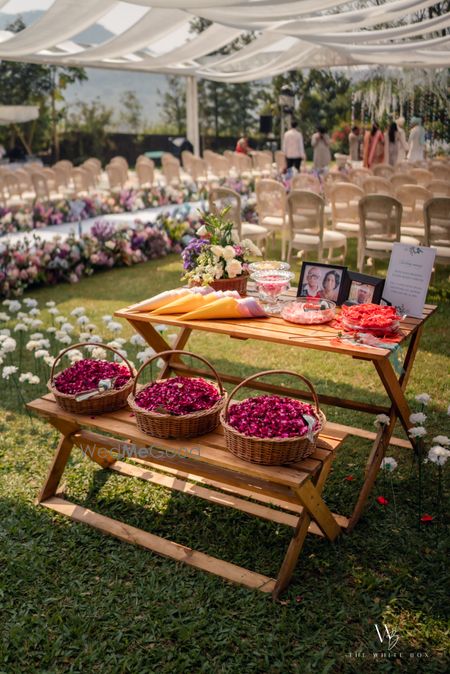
point(408, 277)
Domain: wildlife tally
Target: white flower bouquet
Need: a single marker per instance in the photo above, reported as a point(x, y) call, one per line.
point(216, 254)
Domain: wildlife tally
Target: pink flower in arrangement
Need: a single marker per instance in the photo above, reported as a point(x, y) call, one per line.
point(85, 375)
point(178, 396)
point(271, 417)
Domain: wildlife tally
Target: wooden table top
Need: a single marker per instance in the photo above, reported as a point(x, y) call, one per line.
point(274, 329)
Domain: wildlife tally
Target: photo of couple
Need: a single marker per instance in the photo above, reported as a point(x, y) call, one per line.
point(323, 282)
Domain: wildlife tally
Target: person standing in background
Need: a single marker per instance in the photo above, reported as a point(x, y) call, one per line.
point(416, 140)
point(321, 145)
point(402, 144)
point(242, 146)
point(373, 146)
point(391, 143)
point(293, 147)
point(354, 140)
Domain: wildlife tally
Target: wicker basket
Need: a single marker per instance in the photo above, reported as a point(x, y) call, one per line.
point(169, 426)
point(270, 451)
point(239, 283)
point(107, 401)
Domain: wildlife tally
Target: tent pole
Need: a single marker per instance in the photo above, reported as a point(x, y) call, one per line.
point(192, 113)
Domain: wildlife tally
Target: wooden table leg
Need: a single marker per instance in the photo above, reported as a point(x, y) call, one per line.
point(56, 469)
point(384, 435)
point(292, 554)
point(154, 339)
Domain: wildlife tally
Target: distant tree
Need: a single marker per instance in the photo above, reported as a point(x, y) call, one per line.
point(89, 122)
point(322, 97)
point(33, 84)
point(131, 114)
point(173, 106)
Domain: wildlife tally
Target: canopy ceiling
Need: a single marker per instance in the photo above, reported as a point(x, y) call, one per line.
point(289, 34)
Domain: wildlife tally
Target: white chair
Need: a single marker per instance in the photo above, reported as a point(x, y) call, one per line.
point(387, 211)
point(422, 176)
point(145, 174)
point(383, 171)
point(412, 199)
point(437, 227)
point(377, 185)
point(306, 181)
point(271, 207)
point(399, 179)
point(438, 188)
point(307, 230)
point(221, 197)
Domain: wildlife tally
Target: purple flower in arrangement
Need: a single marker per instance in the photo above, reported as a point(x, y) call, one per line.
point(86, 374)
point(192, 251)
point(178, 396)
point(102, 230)
point(271, 417)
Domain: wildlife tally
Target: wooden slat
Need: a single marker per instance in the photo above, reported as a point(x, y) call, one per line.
point(312, 501)
point(256, 496)
point(207, 494)
point(161, 546)
point(368, 435)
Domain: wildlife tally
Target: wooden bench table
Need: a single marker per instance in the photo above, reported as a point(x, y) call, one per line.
point(318, 337)
point(199, 467)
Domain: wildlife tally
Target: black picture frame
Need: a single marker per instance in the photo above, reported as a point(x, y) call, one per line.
point(356, 281)
point(323, 270)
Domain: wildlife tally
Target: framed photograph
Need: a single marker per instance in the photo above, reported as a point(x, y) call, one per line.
point(323, 280)
point(363, 289)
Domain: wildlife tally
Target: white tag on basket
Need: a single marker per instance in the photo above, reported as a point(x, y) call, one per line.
point(311, 421)
point(103, 385)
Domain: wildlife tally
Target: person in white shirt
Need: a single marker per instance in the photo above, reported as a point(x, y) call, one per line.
point(293, 147)
point(403, 146)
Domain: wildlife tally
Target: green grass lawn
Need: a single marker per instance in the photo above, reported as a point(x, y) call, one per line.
point(74, 600)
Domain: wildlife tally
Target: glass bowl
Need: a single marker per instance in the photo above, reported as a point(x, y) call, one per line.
point(268, 265)
point(309, 311)
point(271, 284)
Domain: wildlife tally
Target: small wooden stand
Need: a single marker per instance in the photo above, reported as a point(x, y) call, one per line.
point(286, 495)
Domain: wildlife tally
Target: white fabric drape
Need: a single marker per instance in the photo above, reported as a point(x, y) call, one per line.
point(322, 33)
point(17, 114)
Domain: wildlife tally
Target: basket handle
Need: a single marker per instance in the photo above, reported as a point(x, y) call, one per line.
point(75, 346)
point(172, 352)
point(263, 374)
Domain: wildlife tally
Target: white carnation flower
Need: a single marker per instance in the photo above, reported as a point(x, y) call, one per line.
point(82, 320)
point(36, 323)
point(98, 353)
point(106, 318)
point(438, 455)
point(9, 345)
point(75, 355)
point(423, 398)
point(50, 304)
point(8, 371)
point(137, 340)
point(78, 311)
point(67, 327)
point(418, 418)
point(417, 432)
point(34, 311)
point(218, 251)
point(114, 327)
point(36, 335)
point(389, 463)
point(41, 353)
point(60, 319)
point(14, 306)
point(21, 327)
point(29, 302)
point(381, 420)
point(53, 311)
point(441, 440)
point(3, 316)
